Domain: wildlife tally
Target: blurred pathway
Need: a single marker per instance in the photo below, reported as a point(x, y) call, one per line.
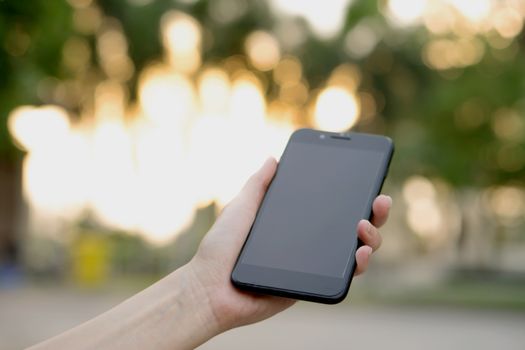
point(30, 315)
point(309, 326)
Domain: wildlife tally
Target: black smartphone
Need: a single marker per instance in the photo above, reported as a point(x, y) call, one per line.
point(303, 240)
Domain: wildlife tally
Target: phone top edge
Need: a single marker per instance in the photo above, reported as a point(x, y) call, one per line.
point(317, 132)
point(313, 134)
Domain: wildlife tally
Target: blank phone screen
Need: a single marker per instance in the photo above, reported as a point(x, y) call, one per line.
point(307, 221)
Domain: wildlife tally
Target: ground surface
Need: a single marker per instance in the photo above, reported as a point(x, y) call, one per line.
point(28, 315)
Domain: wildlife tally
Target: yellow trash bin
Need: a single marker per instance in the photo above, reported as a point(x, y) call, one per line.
point(90, 259)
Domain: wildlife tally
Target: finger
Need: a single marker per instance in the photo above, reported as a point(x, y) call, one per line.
point(380, 209)
point(256, 186)
point(248, 200)
point(369, 234)
point(362, 257)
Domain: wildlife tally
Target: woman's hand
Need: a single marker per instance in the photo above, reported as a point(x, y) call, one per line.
point(197, 301)
point(212, 265)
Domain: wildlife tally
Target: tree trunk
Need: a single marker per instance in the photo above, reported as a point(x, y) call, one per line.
point(10, 199)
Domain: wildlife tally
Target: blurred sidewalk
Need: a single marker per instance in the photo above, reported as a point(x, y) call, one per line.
point(29, 315)
point(309, 326)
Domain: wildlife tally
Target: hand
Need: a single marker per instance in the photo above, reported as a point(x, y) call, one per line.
point(197, 301)
point(212, 265)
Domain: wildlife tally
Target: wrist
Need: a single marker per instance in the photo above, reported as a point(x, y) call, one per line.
point(209, 289)
point(173, 313)
point(194, 305)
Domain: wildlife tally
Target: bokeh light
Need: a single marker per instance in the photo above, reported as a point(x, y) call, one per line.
point(214, 91)
point(112, 51)
point(181, 36)
point(508, 22)
point(361, 40)
point(146, 168)
point(167, 97)
point(507, 203)
point(263, 50)
point(130, 157)
point(336, 109)
point(406, 12)
point(131, 124)
point(38, 127)
point(423, 214)
point(326, 18)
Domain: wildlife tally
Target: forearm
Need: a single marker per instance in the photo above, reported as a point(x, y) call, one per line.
point(172, 314)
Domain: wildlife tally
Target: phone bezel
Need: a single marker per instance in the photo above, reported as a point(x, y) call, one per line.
point(306, 286)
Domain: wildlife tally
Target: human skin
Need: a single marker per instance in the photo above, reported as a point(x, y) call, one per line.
point(197, 301)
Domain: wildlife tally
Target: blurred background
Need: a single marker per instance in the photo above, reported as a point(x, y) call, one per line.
point(126, 125)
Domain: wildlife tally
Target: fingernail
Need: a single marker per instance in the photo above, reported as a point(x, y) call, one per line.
point(268, 160)
point(369, 251)
point(369, 228)
point(389, 199)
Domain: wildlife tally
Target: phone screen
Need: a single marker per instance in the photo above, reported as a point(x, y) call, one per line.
point(307, 221)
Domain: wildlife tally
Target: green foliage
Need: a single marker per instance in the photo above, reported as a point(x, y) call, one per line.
point(433, 140)
point(420, 107)
point(32, 34)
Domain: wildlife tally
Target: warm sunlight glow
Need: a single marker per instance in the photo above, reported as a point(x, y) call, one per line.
point(288, 71)
point(325, 17)
point(167, 98)
point(247, 102)
point(418, 187)
point(112, 50)
point(54, 178)
point(149, 174)
point(507, 202)
point(263, 50)
point(473, 10)
point(38, 127)
point(181, 36)
point(508, 22)
point(190, 136)
point(444, 54)
point(405, 12)
point(336, 109)
point(214, 90)
point(423, 215)
point(112, 176)
point(166, 193)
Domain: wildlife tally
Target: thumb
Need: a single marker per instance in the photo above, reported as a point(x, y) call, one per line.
point(253, 191)
point(244, 206)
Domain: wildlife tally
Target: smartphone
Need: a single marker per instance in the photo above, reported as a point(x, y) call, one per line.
point(303, 240)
